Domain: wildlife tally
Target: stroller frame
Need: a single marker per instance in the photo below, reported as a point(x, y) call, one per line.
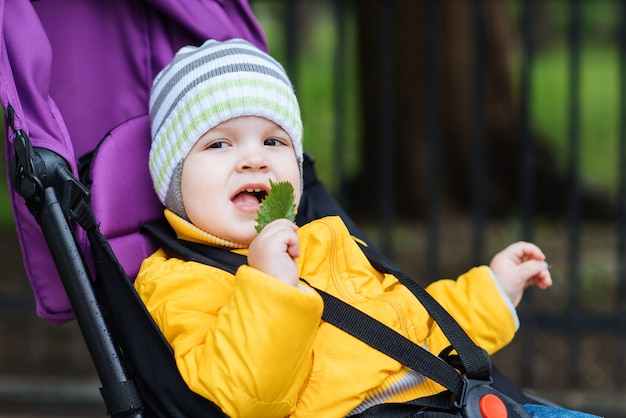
point(51, 192)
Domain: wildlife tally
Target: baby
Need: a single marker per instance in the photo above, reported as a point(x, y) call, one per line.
point(225, 121)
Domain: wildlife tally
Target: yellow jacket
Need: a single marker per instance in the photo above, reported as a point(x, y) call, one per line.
point(258, 347)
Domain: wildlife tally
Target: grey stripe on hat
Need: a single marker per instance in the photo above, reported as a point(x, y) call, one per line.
point(203, 60)
point(232, 68)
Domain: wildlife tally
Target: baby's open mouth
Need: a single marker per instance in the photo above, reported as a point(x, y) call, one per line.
point(250, 197)
point(258, 193)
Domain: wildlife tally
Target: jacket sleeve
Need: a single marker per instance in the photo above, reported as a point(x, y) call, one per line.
point(477, 303)
point(244, 341)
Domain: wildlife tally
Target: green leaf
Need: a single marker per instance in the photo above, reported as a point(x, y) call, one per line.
point(279, 203)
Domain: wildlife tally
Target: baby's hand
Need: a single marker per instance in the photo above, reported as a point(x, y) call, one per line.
point(518, 266)
point(275, 249)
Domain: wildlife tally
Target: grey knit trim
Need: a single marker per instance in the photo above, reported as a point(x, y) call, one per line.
point(174, 197)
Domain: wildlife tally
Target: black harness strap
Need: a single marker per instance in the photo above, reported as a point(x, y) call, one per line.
point(388, 341)
point(475, 360)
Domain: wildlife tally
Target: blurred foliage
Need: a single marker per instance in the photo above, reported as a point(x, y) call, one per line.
point(599, 119)
point(313, 78)
point(598, 84)
point(599, 81)
point(6, 214)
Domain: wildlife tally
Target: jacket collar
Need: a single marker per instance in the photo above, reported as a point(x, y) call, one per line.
point(189, 232)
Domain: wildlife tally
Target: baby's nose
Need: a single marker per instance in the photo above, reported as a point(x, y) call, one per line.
point(254, 161)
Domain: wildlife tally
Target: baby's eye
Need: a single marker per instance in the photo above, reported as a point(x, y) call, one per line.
point(218, 144)
point(274, 142)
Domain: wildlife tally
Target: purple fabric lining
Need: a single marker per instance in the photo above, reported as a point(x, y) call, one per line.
point(95, 60)
point(122, 196)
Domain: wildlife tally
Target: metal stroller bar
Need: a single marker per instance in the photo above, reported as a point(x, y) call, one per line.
point(43, 178)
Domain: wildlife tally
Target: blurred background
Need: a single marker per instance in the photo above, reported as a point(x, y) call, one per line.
point(448, 129)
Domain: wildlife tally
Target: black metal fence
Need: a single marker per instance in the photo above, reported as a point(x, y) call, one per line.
point(579, 326)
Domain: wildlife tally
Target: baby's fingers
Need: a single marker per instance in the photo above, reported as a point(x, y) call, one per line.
point(525, 251)
point(533, 268)
point(542, 278)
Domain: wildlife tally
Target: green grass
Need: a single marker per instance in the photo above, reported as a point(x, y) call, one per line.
point(6, 214)
point(599, 99)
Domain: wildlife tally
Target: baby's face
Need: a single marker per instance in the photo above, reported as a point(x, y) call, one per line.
point(227, 173)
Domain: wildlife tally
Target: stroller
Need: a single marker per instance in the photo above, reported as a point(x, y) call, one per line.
point(81, 217)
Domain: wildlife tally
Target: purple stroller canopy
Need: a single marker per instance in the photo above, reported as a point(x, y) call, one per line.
point(73, 70)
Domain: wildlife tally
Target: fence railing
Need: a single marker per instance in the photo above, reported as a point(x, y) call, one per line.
point(580, 329)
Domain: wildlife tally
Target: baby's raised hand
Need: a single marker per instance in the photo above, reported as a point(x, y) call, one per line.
point(275, 249)
point(518, 266)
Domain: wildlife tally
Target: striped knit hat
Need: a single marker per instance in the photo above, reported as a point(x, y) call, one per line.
point(205, 86)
